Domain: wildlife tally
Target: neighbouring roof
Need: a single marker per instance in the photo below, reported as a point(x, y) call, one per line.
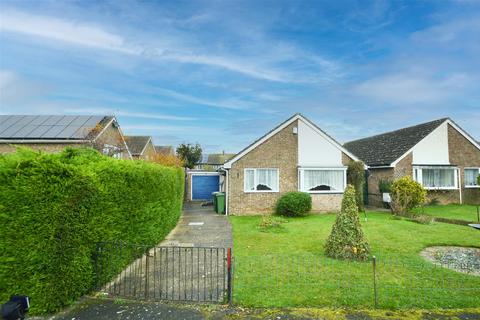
point(216, 158)
point(384, 149)
point(282, 125)
point(164, 150)
point(136, 144)
point(51, 127)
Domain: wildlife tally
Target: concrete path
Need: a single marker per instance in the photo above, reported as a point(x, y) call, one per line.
point(189, 265)
point(200, 227)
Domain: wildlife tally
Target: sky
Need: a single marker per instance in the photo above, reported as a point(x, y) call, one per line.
point(223, 73)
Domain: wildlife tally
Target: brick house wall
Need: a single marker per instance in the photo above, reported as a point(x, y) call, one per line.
point(279, 151)
point(464, 154)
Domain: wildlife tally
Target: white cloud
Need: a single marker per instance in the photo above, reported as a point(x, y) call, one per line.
point(130, 114)
point(178, 48)
point(14, 89)
point(410, 88)
point(62, 30)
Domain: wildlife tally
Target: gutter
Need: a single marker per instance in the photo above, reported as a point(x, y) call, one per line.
point(44, 141)
point(226, 187)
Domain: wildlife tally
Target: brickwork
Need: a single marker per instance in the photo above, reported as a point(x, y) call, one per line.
point(280, 151)
point(463, 153)
point(373, 180)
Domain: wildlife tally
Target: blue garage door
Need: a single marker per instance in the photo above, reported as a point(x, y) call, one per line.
point(203, 186)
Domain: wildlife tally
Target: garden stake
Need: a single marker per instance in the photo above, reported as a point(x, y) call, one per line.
point(374, 264)
point(229, 276)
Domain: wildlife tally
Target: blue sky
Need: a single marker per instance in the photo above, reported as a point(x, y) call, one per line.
point(222, 73)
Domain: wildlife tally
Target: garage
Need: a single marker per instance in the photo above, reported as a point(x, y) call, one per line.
point(203, 184)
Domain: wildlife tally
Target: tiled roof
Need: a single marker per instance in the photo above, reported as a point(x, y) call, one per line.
point(51, 127)
point(164, 150)
point(216, 158)
point(136, 144)
point(383, 149)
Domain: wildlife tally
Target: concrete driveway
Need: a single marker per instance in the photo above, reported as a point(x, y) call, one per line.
point(200, 227)
point(189, 265)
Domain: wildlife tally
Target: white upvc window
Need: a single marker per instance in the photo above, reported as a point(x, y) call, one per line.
point(436, 177)
point(261, 180)
point(322, 180)
point(471, 176)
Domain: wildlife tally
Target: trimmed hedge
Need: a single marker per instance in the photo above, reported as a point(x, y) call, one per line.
point(54, 208)
point(294, 204)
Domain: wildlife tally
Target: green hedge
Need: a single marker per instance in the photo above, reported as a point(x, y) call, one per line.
point(54, 208)
point(294, 204)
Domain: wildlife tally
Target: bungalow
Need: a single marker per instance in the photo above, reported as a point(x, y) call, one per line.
point(54, 133)
point(141, 147)
point(295, 155)
point(439, 154)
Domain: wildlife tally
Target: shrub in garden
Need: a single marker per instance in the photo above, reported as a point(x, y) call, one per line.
point(346, 241)
point(356, 177)
point(55, 207)
point(294, 204)
point(406, 194)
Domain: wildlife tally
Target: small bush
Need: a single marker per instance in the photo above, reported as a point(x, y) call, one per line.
point(356, 177)
point(346, 241)
point(271, 223)
point(294, 204)
point(384, 186)
point(406, 194)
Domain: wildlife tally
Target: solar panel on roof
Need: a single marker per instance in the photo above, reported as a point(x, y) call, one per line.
point(3, 118)
point(8, 123)
point(68, 132)
point(65, 121)
point(92, 122)
point(39, 120)
point(52, 120)
point(37, 132)
point(53, 132)
point(11, 130)
point(25, 126)
point(80, 120)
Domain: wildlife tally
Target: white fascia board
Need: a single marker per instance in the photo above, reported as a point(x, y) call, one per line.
point(394, 163)
point(328, 138)
point(228, 164)
point(448, 121)
point(463, 133)
point(145, 146)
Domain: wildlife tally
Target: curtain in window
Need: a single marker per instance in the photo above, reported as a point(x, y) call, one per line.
point(471, 177)
point(438, 178)
point(267, 179)
point(323, 180)
point(250, 180)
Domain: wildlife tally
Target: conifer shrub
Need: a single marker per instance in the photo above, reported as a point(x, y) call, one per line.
point(347, 241)
point(294, 204)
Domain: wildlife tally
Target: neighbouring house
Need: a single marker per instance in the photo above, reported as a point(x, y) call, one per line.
point(55, 132)
point(141, 147)
point(294, 156)
point(213, 161)
point(165, 150)
point(205, 178)
point(439, 154)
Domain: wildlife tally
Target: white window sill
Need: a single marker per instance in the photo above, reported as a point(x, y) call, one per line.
point(323, 192)
point(472, 187)
point(440, 189)
point(260, 191)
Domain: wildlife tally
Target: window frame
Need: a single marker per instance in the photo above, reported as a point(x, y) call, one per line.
point(418, 176)
point(255, 180)
point(301, 179)
point(464, 182)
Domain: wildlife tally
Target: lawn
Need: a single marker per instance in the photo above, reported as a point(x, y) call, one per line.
point(451, 211)
point(288, 267)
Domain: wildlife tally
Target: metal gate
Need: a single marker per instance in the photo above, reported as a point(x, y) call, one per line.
point(202, 274)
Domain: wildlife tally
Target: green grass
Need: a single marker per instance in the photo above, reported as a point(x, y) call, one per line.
point(287, 268)
point(451, 211)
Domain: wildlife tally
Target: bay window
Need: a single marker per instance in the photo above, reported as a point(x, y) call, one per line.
point(322, 180)
point(261, 180)
point(442, 178)
point(471, 176)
